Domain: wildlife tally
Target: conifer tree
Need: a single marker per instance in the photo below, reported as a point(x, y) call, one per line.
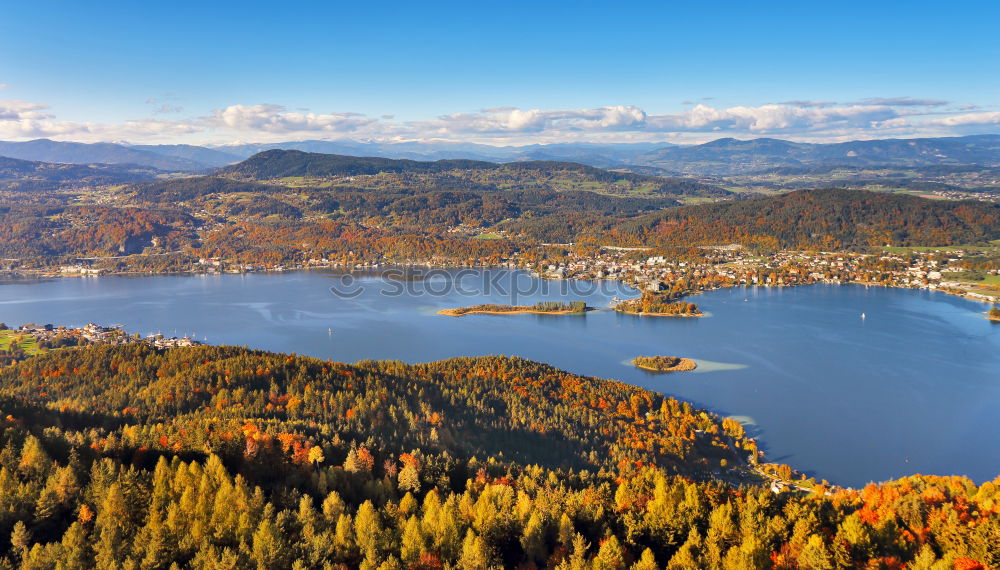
point(20, 538)
point(646, 562)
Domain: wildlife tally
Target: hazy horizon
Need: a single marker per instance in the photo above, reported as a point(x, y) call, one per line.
point(457, 143)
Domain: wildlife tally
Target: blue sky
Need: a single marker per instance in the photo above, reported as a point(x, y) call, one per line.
point(504, 73)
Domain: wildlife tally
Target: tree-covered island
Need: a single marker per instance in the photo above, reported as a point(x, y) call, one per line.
point(658, 305)
point(542, 307)
point(664, 363)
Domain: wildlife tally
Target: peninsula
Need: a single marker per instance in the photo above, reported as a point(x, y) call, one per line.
point(542, 308)
point(664, 363)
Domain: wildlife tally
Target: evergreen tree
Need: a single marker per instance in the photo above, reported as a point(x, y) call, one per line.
point(646, 562)
point(20, 538)
point(368, 531)
point(268, 546)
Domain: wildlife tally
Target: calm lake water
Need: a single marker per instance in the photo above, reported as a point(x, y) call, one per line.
point(912, 388)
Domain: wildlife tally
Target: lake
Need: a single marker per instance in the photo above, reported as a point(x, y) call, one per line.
point(912, 388)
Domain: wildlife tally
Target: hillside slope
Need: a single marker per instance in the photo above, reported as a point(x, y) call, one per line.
point(470, 174)
point(217, 457)
point(826, 218)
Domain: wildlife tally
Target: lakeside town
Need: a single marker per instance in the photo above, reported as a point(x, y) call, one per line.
point(729, 266)
point(946, 269)
point(31, 339)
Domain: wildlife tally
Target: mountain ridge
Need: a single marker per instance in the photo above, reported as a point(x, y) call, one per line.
point(45, 150)
point(729, 156)
point(275, 164)
point(720, 157)
point(17, 174)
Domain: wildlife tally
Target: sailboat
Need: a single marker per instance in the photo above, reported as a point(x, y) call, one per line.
point(863, 316)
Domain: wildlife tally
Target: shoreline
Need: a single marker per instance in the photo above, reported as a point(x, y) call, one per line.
point(676, 315)
point(459, 312)
point(39, 274)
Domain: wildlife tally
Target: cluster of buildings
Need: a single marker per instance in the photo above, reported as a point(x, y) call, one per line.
point(52, 336)
point(732, 266)
point(960, 195)
point(216, 265)
point(78, 269)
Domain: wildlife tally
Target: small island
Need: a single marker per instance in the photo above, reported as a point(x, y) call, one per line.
point(657, 305)
point(664, 363)
point(994, 314)
point(541, 308)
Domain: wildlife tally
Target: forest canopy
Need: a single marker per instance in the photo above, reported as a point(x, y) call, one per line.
point(220, 457)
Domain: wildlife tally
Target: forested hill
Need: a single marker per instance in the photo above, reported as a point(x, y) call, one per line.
point(217, 457)
point(16, 174)
point(827, 218)
point(279, 164)
point(524, 411)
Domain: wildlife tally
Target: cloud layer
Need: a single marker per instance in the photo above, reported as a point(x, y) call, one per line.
point(875, 117)
point(276, 119)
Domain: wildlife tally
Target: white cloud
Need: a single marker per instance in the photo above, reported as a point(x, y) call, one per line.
point(16, 110)
point(513, 120)
point(22, 119)
point(799, 120)
point(4, 86)
point(276, 119)
point(968, 119)
point(770, 118)
point(800, 117)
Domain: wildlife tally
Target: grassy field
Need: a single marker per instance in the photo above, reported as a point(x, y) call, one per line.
point(995, 244)
point(992, 281)
point(696, 200)
point(27, 342)
point(989, 285)
point(304, 182)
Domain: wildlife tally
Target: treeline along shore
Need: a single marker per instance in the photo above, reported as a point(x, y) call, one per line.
point(541, 308)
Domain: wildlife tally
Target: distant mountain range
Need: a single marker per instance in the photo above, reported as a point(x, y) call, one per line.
point(166, 158)
point(190, 158)
point(593, 154)
point(731, 156)
point(717, 158)
point(16, 174)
